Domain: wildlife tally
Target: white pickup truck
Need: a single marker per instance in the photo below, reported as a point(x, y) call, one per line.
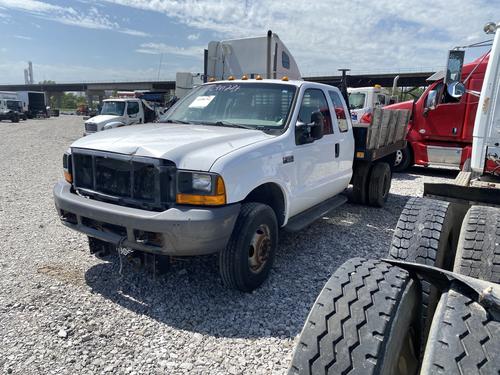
point(116, 113)
point(228, 165)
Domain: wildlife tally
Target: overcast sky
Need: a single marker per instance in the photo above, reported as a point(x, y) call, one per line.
point(126, 39)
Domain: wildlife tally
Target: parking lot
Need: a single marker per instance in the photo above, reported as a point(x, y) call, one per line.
point(63, 311)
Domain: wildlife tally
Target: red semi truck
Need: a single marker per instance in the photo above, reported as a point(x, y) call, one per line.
point(440, 130)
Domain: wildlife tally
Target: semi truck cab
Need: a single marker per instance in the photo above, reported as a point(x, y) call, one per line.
point(441, 127)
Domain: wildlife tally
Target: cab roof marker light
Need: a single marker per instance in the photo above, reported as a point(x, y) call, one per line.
point(284, 78)
point(244, 77)
point(258, 77)
point(230, 78)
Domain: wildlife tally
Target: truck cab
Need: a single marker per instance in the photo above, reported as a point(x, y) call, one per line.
point(363, 100)
point(441, 128)
point(116, 113)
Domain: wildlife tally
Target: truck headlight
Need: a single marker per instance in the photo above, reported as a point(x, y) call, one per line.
point(67, 167)
point(206, 189)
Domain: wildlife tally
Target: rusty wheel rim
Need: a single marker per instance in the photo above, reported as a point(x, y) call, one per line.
point(260, 246)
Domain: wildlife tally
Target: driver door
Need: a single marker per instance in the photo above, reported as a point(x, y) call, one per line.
point(444, 121)
point(315, 162)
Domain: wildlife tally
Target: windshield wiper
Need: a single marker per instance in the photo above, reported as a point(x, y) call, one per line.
point(176, 122)
point(230, 124)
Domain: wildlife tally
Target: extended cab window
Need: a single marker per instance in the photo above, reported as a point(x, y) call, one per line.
point(132, 108)
point(315, 101)
point(339, 108)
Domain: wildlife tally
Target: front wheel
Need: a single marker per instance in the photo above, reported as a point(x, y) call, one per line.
point(246, 261)
point(404, 160)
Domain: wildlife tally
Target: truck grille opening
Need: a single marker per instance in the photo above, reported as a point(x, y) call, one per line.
point(91, 127)
point(104, 227)
point(130, 181)
point(68, 217)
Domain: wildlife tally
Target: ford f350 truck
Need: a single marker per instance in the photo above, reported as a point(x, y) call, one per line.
point(116, 113)
point(227, 166)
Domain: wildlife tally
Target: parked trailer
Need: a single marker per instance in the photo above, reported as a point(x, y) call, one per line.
point(34, 103)
point(433, 306)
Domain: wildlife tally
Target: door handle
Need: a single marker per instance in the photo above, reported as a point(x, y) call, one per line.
point(337, 150)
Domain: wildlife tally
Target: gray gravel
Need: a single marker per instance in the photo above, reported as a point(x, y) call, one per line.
point(63, 311)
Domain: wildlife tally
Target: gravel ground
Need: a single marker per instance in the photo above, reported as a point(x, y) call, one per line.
point(63, 311)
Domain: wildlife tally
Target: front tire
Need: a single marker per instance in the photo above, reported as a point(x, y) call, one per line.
point(404, 159)
point(365, 321)
point(246, 261)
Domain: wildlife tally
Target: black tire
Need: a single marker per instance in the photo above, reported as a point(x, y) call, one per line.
point(426, 233)
point(246, 261)
point(100, 248)
point(15, 118)
point(478, 251)
point(363, 320)
point(361, 174)
point(406, 160)
point(464, 338)
point(379, 184)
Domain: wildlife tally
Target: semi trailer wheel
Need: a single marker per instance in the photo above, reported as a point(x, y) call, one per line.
point(379, 184)
point(100, 248)
point(364, 321)
point(464, 338)
point(360, 177)
point(426, 233)
point(478, 251)
point(246, 261)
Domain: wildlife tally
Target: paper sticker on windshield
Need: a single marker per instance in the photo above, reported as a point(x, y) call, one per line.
point(201, 101)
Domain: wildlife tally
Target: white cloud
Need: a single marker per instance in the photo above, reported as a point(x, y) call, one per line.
point(23, 37)
point(92, 19)
point(159, 48)
point(325, 35)
point(193, 36)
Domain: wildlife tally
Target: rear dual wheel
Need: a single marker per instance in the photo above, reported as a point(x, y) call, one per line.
point(371, 183)
point(364, 321)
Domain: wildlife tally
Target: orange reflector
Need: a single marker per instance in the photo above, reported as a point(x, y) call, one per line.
point(230, 78)
point(68, 177)
point(360, 154)
point(201, 200)
point(211, 79)
point(244, 77)
point(284, 78)
point(259, 77)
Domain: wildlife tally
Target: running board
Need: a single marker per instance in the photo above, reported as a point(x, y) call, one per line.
point(309, 216)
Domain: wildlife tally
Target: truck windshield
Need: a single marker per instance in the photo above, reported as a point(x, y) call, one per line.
point(356, 100)
point(252, 105)
point(14, 105)
point(113, 108)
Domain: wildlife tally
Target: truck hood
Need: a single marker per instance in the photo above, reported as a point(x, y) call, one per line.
point(194, 147)
point(403, 105)
point(102, 120)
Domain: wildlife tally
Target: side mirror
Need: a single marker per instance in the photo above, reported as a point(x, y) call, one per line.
point(317, 121)
point(303, 133)
point(454, 66)
point(455, 89)
point(431, 101)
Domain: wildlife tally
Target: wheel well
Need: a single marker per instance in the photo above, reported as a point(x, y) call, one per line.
point(272, 195)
